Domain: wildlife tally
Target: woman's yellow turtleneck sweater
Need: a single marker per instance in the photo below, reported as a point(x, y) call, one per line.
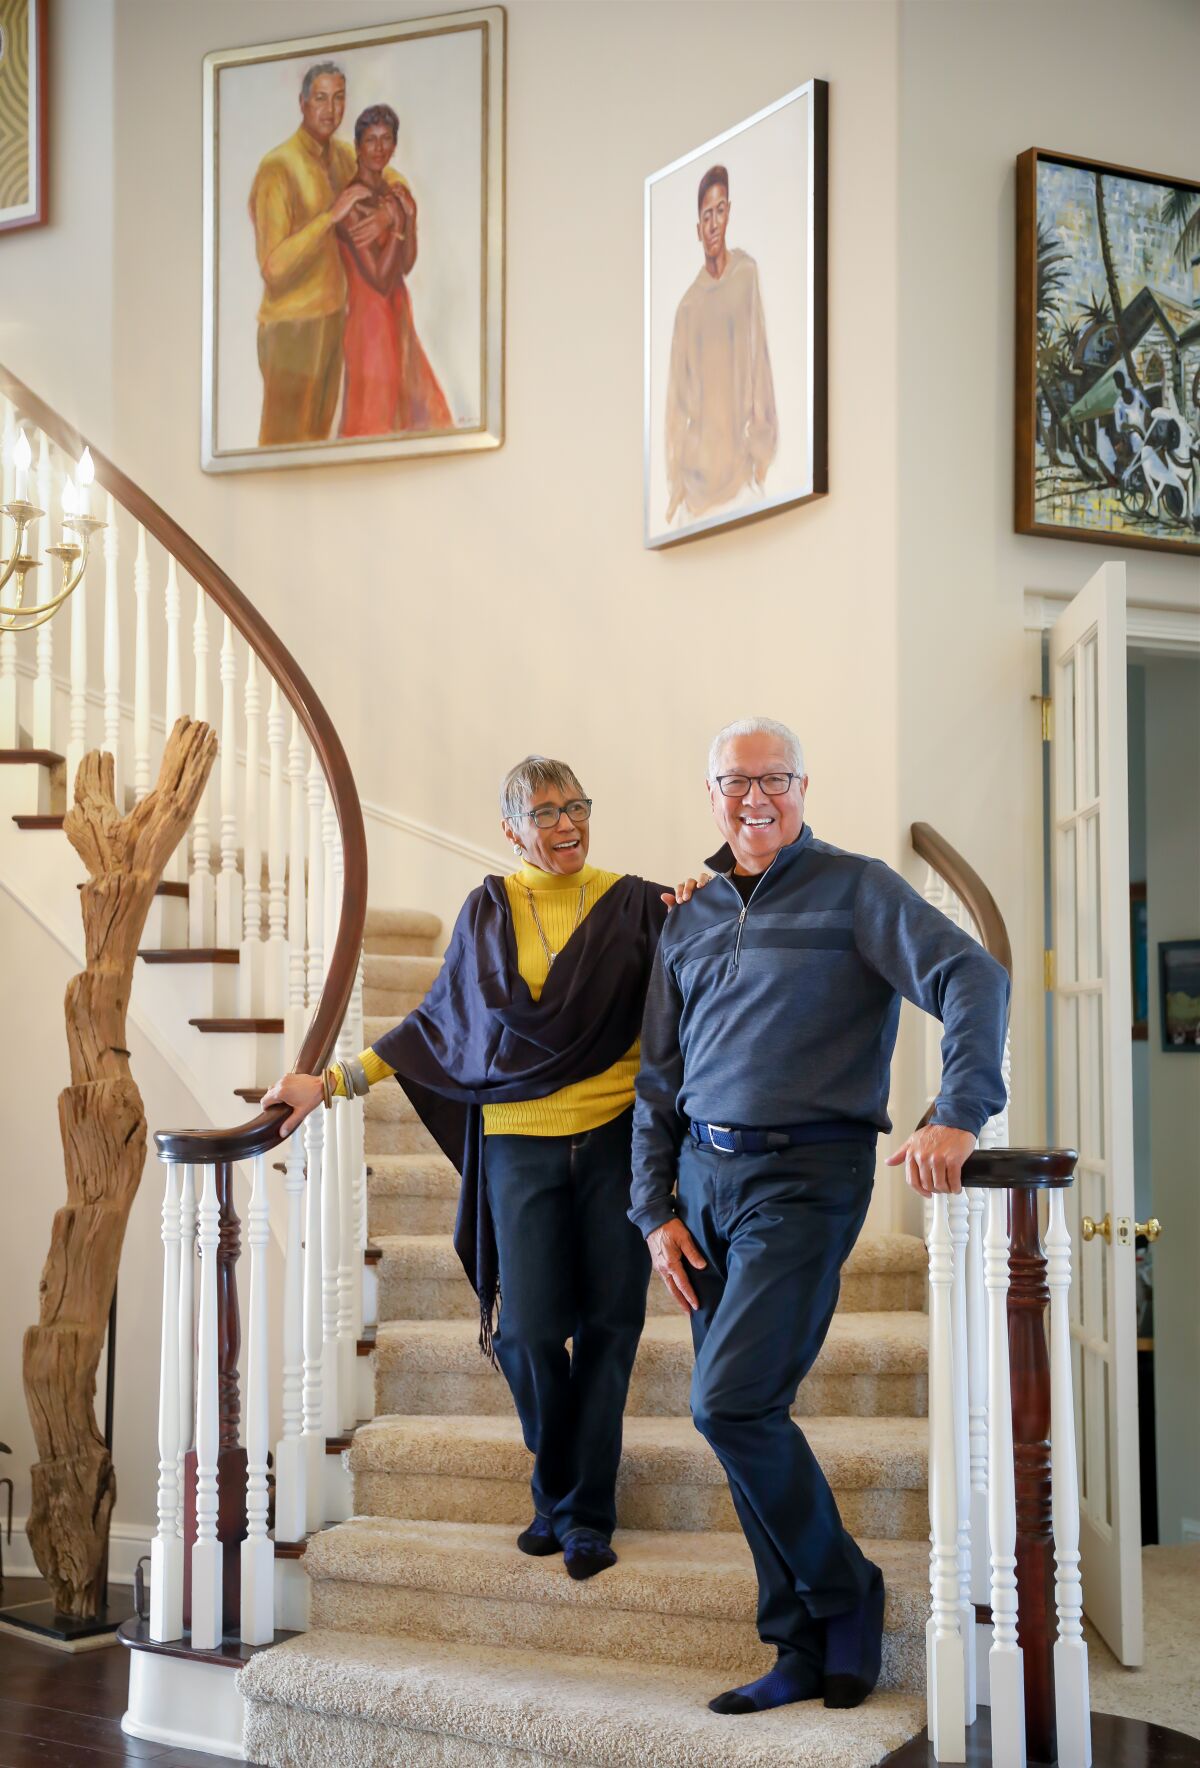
point(586, 1104)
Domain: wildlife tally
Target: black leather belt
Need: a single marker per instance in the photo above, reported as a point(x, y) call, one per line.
point(723, 1138)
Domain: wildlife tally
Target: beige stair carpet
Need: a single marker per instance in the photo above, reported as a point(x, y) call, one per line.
point(435, 1641)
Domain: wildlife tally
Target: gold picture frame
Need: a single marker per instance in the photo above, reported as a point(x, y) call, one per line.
point(320, 348)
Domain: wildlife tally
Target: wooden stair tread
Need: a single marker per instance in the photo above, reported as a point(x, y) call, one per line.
point(30, 758)
point(265, 1025)
point(372, 1255)
point(38, 822)
point(252, 1095)
point(192, 954)
point(163, 890)
point(366, 1343)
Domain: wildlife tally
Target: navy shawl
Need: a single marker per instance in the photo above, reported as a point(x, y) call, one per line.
point(479, 1038)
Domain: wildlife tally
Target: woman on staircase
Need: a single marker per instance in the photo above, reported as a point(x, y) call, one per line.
point(521, 1062)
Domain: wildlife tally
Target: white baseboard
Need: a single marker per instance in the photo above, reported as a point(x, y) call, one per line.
point(127, 1543)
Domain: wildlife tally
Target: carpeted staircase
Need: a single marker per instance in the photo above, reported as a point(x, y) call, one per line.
point(434, 1641)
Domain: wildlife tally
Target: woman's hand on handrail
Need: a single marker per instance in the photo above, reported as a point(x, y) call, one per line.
point(303, 1092)
point(684, 892)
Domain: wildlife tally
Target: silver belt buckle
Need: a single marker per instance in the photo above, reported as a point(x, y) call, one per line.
point(719, 1129)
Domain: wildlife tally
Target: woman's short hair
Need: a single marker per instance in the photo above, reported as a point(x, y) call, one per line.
point(376, 113)
point(753, 727)
point(533, 775)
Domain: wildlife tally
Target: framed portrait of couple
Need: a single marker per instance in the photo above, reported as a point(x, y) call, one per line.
point(354, 245)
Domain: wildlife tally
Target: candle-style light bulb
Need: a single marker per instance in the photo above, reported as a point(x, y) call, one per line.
point(22, 460)
point(84, 475)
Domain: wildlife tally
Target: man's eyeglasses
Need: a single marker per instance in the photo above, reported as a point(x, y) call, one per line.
point(736, 785)
point(547, 815)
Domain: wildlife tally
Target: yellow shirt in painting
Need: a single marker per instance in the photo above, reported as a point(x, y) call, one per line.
point(585, 1104)
point(294, 234)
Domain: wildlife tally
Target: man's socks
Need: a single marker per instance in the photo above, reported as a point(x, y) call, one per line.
point(539, 1539)
point(793, 1678)
point(585, 1553)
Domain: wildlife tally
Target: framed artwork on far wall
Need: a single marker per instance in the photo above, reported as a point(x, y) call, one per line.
point(1179, 993)
point(354, 245)
point(23, 114)
point(736, 379)
point(1140, 977)
point(1108, 354)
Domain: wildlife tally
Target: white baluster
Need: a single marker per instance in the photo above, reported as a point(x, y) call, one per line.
point(978, 1397)
point(945, 1671)
point(166, 1549)
point(47, 586)
point(141, 669)
point(959, 1218)
point(349, 1254)
point(332, 1213)
point(202, 922)
point(187, 1323)
point(275, 968)
point(296, 1017)
point(10, 723)
point(258, 1551)
point(250, 970)
point(77, 727)
point(207, 1550)
point(1071, 1696)
point(291, 1521)
point(175, 870)
point(1006, 1673)
point(112, 649)
point(314, 1144)
point(358, 1119)
point(229, 882)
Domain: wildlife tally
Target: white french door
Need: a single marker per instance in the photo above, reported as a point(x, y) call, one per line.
point(1093, 1087)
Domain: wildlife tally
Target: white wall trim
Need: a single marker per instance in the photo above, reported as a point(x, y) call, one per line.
point(1152, 626)
point(127, 1543)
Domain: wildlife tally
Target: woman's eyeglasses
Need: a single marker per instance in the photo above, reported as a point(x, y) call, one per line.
point(547, 815)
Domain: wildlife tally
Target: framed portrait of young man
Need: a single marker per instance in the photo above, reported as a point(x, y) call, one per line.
point(23, 114)
point(354, 245)
point(736, 373)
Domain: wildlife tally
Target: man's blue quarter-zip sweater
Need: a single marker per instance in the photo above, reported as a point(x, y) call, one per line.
point(783, 1010)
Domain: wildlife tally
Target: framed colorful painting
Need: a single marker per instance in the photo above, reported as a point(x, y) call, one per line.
point(1108, 354)
point(23, 133)
point(735, 325)
point(354, 245)
point(1179, 993)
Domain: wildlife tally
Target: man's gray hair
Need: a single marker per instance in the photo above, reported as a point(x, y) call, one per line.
point(533, 775)
point(754, 727)
point(314, 74)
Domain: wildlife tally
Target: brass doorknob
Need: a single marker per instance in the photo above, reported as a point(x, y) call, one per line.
point(1126, 1230)
point(1089, 1229)
point(1151, 1229)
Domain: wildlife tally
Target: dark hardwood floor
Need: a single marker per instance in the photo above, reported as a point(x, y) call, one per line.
point(1116, 1743)
point(63, 1710)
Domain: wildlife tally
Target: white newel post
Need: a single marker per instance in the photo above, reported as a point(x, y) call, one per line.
point(295, 1018)
point(944, 1645)
point(112, 648)
point(331, 1230)
point(314, 1146)
point(291, 1521)
point(959, 1218)
point(1005, 1661)
point(206, 1550)
point(1071, 1695)
point(166, 1549)
point(10, 724)
point(275, 965)
point(229, 881)
point(250, 969)
point(175, 870)
point(258, 1551)
point(141, 669)
point(202, 922)
point(187, 1322)
point(46, 586)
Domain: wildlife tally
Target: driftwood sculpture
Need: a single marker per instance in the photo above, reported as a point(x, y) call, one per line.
point(104, 1144)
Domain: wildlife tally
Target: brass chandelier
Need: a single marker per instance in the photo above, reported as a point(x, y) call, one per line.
point(72, 550)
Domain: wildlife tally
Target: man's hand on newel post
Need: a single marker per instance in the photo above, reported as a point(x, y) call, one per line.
point(933, 1158)
point(670, 1246)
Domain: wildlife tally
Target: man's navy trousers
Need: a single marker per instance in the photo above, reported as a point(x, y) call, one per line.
point(775, 1230)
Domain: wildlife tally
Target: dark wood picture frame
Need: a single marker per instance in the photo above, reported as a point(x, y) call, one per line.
point(1026, 365)
point(1138, 961)
point(40, 92)
point(1165, 947)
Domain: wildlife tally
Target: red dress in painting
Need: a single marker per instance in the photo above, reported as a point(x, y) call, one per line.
point(390, 385)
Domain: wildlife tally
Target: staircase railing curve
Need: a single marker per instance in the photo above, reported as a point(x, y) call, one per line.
point(1003, 1495)
point(273, 930)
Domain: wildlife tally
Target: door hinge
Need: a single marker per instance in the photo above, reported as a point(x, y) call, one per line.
point(1047, 718)
point(1048, 971)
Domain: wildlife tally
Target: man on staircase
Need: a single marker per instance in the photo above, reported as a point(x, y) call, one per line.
point(766, 1046)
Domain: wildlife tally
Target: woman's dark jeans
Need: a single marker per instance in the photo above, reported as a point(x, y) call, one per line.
point(572, 1266)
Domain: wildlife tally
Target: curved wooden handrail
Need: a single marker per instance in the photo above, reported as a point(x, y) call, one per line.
point(259, 1134)
point(966, 883)
point(1020, 1169)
